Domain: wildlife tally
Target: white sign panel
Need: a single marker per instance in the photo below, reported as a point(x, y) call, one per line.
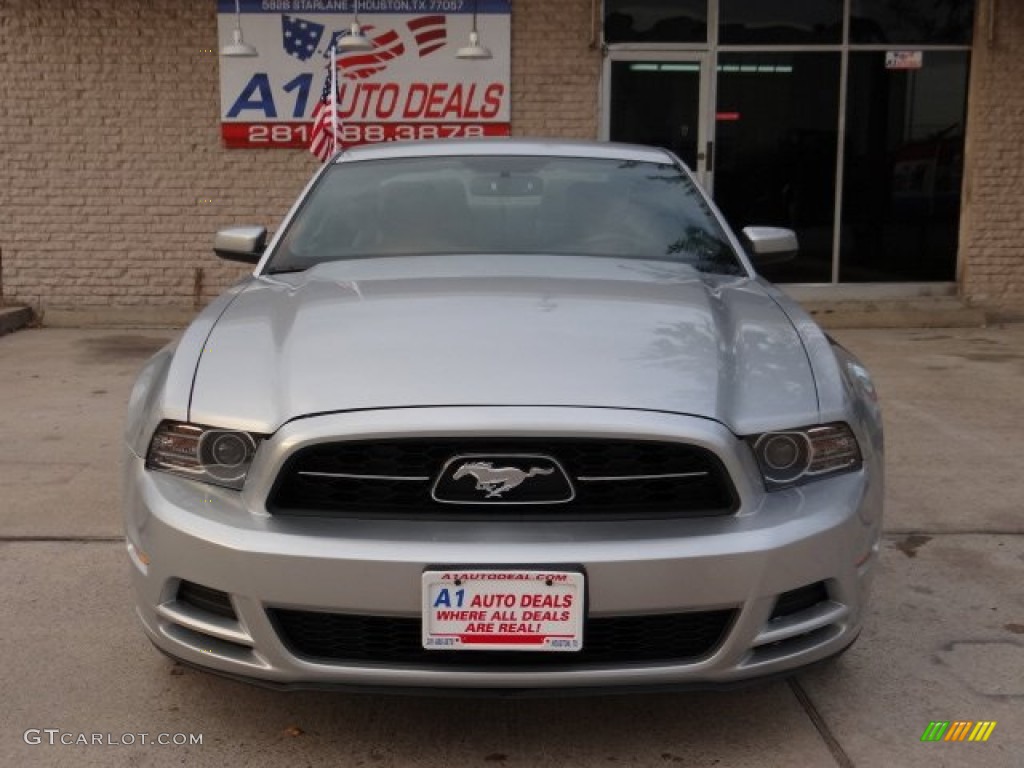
point(498, 610)
point(904, 59)
point(410, 86)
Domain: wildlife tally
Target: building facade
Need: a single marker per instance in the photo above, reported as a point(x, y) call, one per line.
point(888, 133)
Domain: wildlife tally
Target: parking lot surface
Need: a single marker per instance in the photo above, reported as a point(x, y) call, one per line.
point(944, 640)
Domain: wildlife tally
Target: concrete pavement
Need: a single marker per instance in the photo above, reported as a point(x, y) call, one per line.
point(944, 639)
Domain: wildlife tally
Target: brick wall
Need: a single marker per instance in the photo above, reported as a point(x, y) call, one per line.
point(111, 155)
point(992, 223)
point(554, 69)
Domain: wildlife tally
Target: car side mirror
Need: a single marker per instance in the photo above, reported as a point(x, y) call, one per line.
point(245, 244)
point(770, 245)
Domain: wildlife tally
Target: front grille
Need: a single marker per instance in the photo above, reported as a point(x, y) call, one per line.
point(344, 638)
point(797, 600)
point(612, 479)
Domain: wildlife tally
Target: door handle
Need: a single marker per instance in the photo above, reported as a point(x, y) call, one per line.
point(709, 157)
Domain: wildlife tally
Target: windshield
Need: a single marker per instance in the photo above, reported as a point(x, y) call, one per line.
point(505, 205)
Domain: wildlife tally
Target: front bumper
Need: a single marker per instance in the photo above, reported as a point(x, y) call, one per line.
point(824, 532)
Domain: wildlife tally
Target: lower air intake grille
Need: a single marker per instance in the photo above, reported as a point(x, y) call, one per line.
point(801, 599)
point(206, 599)
point(348, 638)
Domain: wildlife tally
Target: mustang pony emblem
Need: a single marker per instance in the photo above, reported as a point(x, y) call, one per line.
point(497, 481)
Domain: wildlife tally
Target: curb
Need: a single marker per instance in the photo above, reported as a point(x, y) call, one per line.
point(14, 318)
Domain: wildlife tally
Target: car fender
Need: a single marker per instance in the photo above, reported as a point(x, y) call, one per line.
point(163, 389)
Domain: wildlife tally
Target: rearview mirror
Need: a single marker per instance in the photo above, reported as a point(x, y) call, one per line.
point(245, 244)
point(506, 185)
point(771, 245)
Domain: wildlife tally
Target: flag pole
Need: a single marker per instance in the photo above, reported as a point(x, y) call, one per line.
point(334, 99)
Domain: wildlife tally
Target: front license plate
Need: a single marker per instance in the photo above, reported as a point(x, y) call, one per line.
point(513, 610)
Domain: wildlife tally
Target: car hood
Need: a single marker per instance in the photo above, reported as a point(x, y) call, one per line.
point(529, 330)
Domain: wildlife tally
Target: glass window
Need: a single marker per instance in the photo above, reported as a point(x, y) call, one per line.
point(549, 206)
point(657, 103)
point(912, 21)
point(775, 151)
point(656, 21)
point(904, 167)
point(780, 22)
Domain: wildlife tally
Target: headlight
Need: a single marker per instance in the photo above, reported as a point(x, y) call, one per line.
point(800, 455)
point(207, 454)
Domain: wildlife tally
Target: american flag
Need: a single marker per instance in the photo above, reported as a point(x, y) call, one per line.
point(323, 138)
point(300, 37)
point(357, 65)
point(430, 33)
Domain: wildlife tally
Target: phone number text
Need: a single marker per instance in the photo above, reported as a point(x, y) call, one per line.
point(297, 135)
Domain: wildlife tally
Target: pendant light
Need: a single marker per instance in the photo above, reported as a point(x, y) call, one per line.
point(238, 47)
point(474, 50)
point(355, 40)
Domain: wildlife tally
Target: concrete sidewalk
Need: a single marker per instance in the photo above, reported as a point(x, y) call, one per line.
point(944, 641)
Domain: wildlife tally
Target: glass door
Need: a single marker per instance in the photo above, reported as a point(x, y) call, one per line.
point(661, 99)
point(776, 141)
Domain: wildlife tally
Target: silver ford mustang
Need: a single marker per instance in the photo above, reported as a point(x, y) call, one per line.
point(503, 415)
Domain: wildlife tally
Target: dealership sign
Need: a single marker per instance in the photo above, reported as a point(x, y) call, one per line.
point(410, 86)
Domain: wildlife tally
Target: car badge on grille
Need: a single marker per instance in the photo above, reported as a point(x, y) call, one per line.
point(497, 480)
point(502, 479)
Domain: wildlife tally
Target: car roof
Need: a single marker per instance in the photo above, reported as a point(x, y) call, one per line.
point(510, 147)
